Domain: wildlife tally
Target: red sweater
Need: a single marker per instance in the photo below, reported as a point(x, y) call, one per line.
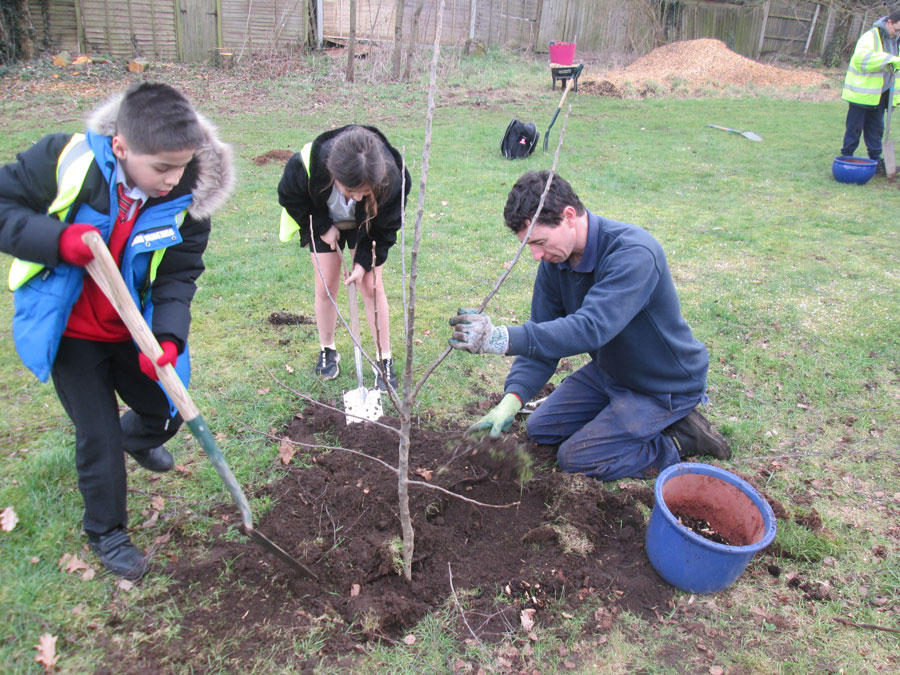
point(93, 317)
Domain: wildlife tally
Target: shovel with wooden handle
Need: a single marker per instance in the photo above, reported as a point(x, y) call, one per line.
point(890, 161)
point(105, 273)
point(746, 134)
point(569, 84)
point(360, 404)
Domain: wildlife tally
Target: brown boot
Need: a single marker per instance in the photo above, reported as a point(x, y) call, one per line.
point(694, 435)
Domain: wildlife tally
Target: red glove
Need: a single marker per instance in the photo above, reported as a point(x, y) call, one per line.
point(168, 357)
point(71, 249)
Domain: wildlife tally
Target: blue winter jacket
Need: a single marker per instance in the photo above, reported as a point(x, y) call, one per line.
point(178, 222)
point(620, 306)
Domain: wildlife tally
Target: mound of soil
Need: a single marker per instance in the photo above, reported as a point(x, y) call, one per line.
point(280, 156)
point(551, 545)
point(708, 61)
point(285, 318)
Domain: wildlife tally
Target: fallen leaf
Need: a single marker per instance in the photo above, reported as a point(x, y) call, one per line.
point(8, 519)
point(354, 590)
point(72, 563)
point(35, 560)
point(46, 648)
point(427, 474)
point(716, 670)
point(263, 391)
point(181, 468)
point(410, 639)
point(288, 368)
point(526, 617)
point(157, 502)
point(87, 575)
point(124, 584)
point(150, 522)
point(286, 451)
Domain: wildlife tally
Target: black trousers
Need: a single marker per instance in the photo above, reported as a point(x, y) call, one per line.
point(87, 376)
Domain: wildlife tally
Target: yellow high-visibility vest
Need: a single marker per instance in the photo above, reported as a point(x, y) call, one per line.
point(289, 226)
point(71, 168)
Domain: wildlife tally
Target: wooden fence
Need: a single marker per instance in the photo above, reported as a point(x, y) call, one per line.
point(191, 30)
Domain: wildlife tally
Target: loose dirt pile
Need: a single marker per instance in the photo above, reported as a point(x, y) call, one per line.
point(562, 544)
point(707, 61)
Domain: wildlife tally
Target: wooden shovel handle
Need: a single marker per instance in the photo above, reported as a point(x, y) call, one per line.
point(105, 273)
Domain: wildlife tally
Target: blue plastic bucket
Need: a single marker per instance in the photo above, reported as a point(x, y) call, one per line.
point(730, 505)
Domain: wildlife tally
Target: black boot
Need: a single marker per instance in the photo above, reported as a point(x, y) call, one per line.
point(694, 435)
point(879, 168)
point(118, 554)
point(154, 459)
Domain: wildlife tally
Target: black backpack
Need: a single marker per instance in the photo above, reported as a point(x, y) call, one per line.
point(519, 140)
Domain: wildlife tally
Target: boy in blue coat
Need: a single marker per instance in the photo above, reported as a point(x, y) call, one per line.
point(602, 288)
point(147, 176)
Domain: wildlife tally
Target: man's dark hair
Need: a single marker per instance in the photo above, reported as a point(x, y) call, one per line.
point(525, 195)
point(158, 118)
point(894, 17)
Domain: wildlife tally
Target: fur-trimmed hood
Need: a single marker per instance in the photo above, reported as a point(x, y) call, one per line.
point(214, 167)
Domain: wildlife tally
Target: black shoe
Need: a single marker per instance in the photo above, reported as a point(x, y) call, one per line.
point(388, 366)
point(694, 435)
point(154, 459)
point(327, 365)
point(118, 554)
point(879, 168)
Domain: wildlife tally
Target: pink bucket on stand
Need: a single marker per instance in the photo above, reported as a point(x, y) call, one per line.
point(562, 53)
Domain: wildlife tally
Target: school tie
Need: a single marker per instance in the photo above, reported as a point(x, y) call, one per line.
point(125, 204)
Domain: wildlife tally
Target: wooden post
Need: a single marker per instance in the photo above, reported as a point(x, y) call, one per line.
point(471, 38)
point(219, 44)
point(762, 30)
point(79, 28)
point(812, 27)
point(537, 25)
point(351, 43)
point(179, 52)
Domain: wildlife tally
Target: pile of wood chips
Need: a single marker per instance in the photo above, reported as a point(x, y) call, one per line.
point(708, 61)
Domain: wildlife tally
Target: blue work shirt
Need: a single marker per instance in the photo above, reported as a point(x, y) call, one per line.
point(619, 305)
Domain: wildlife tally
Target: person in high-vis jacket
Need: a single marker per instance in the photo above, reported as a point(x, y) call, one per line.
point(867, 86)
point(147, 175)
point(348, 187)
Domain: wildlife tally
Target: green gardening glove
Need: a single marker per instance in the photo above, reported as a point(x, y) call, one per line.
point(500, 418)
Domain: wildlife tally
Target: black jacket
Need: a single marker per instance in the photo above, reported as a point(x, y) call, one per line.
point(304, 196)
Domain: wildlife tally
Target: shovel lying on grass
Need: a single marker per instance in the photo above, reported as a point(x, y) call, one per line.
point(104, 272)
point(360, 404)
point(745, 134)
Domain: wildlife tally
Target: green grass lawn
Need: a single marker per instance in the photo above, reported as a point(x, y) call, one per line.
point(791, 279)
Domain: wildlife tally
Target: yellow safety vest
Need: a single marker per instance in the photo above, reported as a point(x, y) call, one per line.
point(71, 169)
point(289, 226)
point(869, 64)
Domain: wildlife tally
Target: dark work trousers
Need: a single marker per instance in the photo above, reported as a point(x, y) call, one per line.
point(87, 375)
point(866, 121)
point(607, 431)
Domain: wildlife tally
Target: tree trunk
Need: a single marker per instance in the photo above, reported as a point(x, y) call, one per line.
point(413, 37)
point(408, 391)
point(398, 40)
point(351, 44)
